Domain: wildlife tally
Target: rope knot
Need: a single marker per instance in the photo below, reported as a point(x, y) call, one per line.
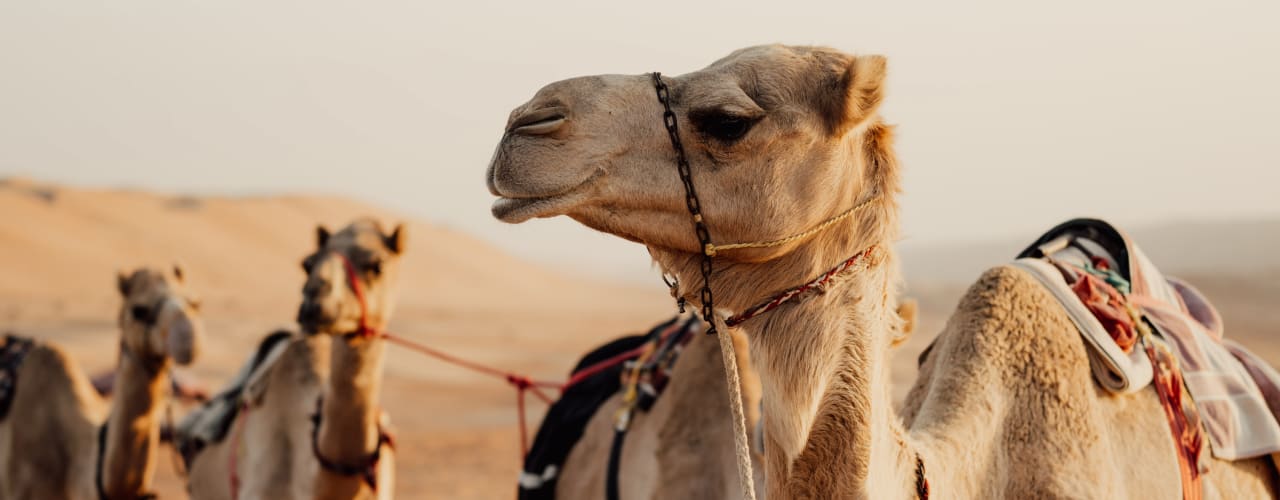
point(519, 381)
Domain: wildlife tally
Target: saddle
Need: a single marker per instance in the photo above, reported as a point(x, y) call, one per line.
point(211, 421)
point(12, 353)
point(567, 418)
point(1143, 328)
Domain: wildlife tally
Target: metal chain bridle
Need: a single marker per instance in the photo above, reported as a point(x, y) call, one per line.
point(691, 202)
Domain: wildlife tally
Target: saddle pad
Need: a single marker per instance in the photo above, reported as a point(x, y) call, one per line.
point(1236, 393)
point(567, 418)
point(12, 353)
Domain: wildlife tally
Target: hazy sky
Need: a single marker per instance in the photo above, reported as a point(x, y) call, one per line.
point(1011, 116)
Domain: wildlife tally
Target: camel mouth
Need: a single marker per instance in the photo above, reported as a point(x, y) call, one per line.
point(517, 210)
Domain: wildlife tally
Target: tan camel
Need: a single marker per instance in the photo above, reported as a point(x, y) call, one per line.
point(50, 440)
point(270, 445)
point(781, 139)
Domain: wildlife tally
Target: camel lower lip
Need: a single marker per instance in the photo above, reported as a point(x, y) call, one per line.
point(516, 210)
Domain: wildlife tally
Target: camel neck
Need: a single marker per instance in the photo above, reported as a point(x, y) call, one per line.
point(349, 423)
point(823, 367)
point(132, 429)
point(829, 419)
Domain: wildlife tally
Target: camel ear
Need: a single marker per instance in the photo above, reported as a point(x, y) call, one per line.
point(396, 241)
point(322, 236)
point(178, 273)
point(863, 85)
point(123, 283)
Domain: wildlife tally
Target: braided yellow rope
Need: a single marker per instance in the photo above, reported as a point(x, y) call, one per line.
point(711, 249)
point(741, 449)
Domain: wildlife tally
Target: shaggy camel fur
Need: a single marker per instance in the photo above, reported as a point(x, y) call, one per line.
point(49, 443)
point(273, 440)
point(781, 139)
point(681, 448)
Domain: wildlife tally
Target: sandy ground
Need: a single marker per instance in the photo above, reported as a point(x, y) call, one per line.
point(456, 431)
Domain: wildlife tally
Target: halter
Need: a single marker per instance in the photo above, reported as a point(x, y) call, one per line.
point(710, 250)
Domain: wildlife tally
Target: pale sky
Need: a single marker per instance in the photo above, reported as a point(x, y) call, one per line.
point(1011, 116)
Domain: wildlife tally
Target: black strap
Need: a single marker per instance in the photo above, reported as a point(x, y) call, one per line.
point(97, 472)
point(615, 459)
point(12, 353)
point(367, 471)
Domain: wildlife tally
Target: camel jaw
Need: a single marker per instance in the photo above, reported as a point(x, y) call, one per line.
point(517, 210)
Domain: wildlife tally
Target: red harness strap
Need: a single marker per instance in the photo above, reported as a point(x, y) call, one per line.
point(787, 295)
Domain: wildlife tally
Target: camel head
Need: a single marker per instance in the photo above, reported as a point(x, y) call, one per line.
point(159, 319)
point(329, 303)
point(777, 138)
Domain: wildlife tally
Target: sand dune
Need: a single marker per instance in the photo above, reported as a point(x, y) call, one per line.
point(64, 244)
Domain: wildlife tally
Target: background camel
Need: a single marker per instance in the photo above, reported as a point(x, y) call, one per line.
point(780, 140)
point(50, 440)
point(332, 371)
point(681, 448)
point(268, 442)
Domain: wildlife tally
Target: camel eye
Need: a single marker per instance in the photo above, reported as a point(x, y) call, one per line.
point(723, 126)
point(374, 268)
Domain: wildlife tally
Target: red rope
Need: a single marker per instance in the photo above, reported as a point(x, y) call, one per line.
point(521, 383)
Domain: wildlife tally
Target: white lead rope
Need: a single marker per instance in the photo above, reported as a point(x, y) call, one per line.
point(742, 449)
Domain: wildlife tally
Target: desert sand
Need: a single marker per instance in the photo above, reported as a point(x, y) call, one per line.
point(456, 431)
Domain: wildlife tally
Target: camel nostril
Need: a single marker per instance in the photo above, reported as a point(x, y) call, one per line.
point(539, 122)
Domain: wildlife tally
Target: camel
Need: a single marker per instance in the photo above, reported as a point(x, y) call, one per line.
point(786, 147)
point(331, 372)
point(61, 440)
point(681, 448)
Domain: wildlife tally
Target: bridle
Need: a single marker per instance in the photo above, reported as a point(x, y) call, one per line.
point(708, 252)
